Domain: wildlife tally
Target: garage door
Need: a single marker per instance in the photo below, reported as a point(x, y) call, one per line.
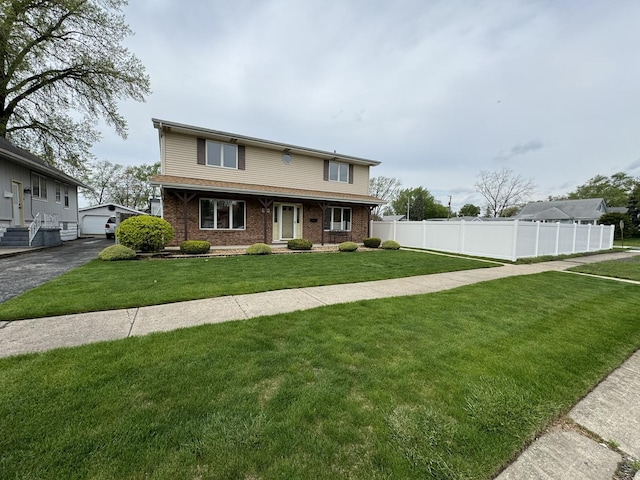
point(93, 224)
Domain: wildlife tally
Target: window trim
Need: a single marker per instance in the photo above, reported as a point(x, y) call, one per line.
point(41, 182)
point(329, 215)
point(215, 214)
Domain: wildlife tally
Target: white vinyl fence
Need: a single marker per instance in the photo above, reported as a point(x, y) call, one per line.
point(505, 240)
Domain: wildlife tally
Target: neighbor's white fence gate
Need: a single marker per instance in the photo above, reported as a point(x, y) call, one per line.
point(506, 240)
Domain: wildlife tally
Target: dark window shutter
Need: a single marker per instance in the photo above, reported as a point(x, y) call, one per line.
point(201, 151)
point(241, 157)
point(326, 170)
point(350, 173)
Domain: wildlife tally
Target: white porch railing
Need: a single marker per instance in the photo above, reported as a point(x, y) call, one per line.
point(46, 220)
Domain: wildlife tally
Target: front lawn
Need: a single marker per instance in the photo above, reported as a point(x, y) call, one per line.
point(449, 385)
point(109, 285)
point(628, 268)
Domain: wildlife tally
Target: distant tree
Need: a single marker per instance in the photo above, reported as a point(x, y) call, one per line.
point(503, 189)
point(511, 211)
point(127, 186)
point(63, 68)
point(633, 208)
point(614, 189)
point(469, 210)
point(100, 178)
point(132, 187)
point(419, 204)
point(384, 188)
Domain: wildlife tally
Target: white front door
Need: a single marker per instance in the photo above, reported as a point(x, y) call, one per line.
point(287, 221)
point(17, 201)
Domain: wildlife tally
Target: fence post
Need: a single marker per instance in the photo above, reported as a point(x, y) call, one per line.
point(575, 231)
point(514, 247)
point(394, 230)
point(424, 234)
point(557, 238)
point(537, 238)
point(601, 236)
point(589, 239)
point(462, 232)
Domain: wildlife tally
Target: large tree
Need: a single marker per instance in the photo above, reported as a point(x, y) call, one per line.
point(62, 69)
point(419, 204)
point(469, 210)
point(615, 189)
point(384, 188)
point(502, 190)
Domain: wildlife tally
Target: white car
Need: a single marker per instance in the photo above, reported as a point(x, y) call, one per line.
point(110, 228)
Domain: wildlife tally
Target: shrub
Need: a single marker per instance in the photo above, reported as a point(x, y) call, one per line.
point(371, 242)
point(117, 252)
point(145, 233)
point(348, 247)
point(195, 247)
point(259, 249)
point(390, 245)
point(299, 244)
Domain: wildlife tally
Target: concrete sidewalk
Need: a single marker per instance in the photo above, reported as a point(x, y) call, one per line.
point(611, 411)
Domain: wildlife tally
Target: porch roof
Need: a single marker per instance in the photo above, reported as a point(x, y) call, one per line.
point(185, 183)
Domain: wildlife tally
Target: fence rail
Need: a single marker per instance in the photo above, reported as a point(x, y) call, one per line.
point(505, 240)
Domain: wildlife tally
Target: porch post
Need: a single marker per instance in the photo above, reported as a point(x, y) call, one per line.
point(323, 207)
point(266, 205)
point(186, 198)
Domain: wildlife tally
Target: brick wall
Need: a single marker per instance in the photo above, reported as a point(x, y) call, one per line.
point(254, 231)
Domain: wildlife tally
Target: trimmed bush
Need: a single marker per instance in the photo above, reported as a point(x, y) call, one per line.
point(299, 244)
point(145, 233)
point(371, 242)
point(117, 252)
point(259, 249)
point(348, 247)
point(195, 247)
point(390, 245)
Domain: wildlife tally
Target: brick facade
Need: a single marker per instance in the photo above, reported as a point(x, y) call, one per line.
point(173, 209)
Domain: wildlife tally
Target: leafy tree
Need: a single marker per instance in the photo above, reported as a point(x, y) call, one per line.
point(633, 206)
point(100, 180)
point(384, 188)
point(614, 218)
point(469, 210)
point(63, 69)
point(420, 204)
point(511, 211)
point(128, 186)
point(503, 189)
point(615, 189)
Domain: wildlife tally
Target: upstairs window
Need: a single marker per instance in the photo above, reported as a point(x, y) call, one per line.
point(339, 172)
point(222, 154)
point(58, 192)
point(66, 196)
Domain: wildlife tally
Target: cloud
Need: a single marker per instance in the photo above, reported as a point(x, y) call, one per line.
point(633, 166)
point(519, 149)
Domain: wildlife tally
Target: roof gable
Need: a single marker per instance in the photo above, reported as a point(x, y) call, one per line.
point(589, 208)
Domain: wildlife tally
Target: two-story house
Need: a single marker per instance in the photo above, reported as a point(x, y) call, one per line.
point(231, 189)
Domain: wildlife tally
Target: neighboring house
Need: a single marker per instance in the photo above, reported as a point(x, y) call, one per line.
point(92, 219)
point(35, 197)
point(231, 189)
point(587, 211)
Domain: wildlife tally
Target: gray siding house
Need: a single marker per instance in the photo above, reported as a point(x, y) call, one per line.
point(38, 203)
point(587, 211)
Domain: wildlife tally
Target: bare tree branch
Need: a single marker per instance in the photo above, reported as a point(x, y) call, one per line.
point(502, 190)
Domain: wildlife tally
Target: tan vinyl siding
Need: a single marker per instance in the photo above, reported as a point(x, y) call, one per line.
point(263, 167)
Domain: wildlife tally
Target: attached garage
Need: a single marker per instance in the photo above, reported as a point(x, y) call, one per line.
point(92, 219)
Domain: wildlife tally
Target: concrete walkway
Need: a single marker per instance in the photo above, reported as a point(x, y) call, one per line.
point(611, 412)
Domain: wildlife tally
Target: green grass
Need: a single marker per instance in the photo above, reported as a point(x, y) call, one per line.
point(628, 268)
point(628, 242)
point(449, 385)
point(109, 285)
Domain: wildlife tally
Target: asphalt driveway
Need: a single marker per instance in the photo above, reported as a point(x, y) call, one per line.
point(23, 272)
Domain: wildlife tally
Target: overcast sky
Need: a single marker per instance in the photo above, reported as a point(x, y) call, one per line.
point(436, 90)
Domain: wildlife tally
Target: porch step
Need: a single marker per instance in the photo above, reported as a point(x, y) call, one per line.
point(15, 237)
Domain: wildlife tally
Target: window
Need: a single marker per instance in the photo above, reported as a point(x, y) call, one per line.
point(339, 172)
point(38, 186)
point(222, 214)
point(337, 218)
point(222, 154)
point(58, 192)
point(66, 196)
